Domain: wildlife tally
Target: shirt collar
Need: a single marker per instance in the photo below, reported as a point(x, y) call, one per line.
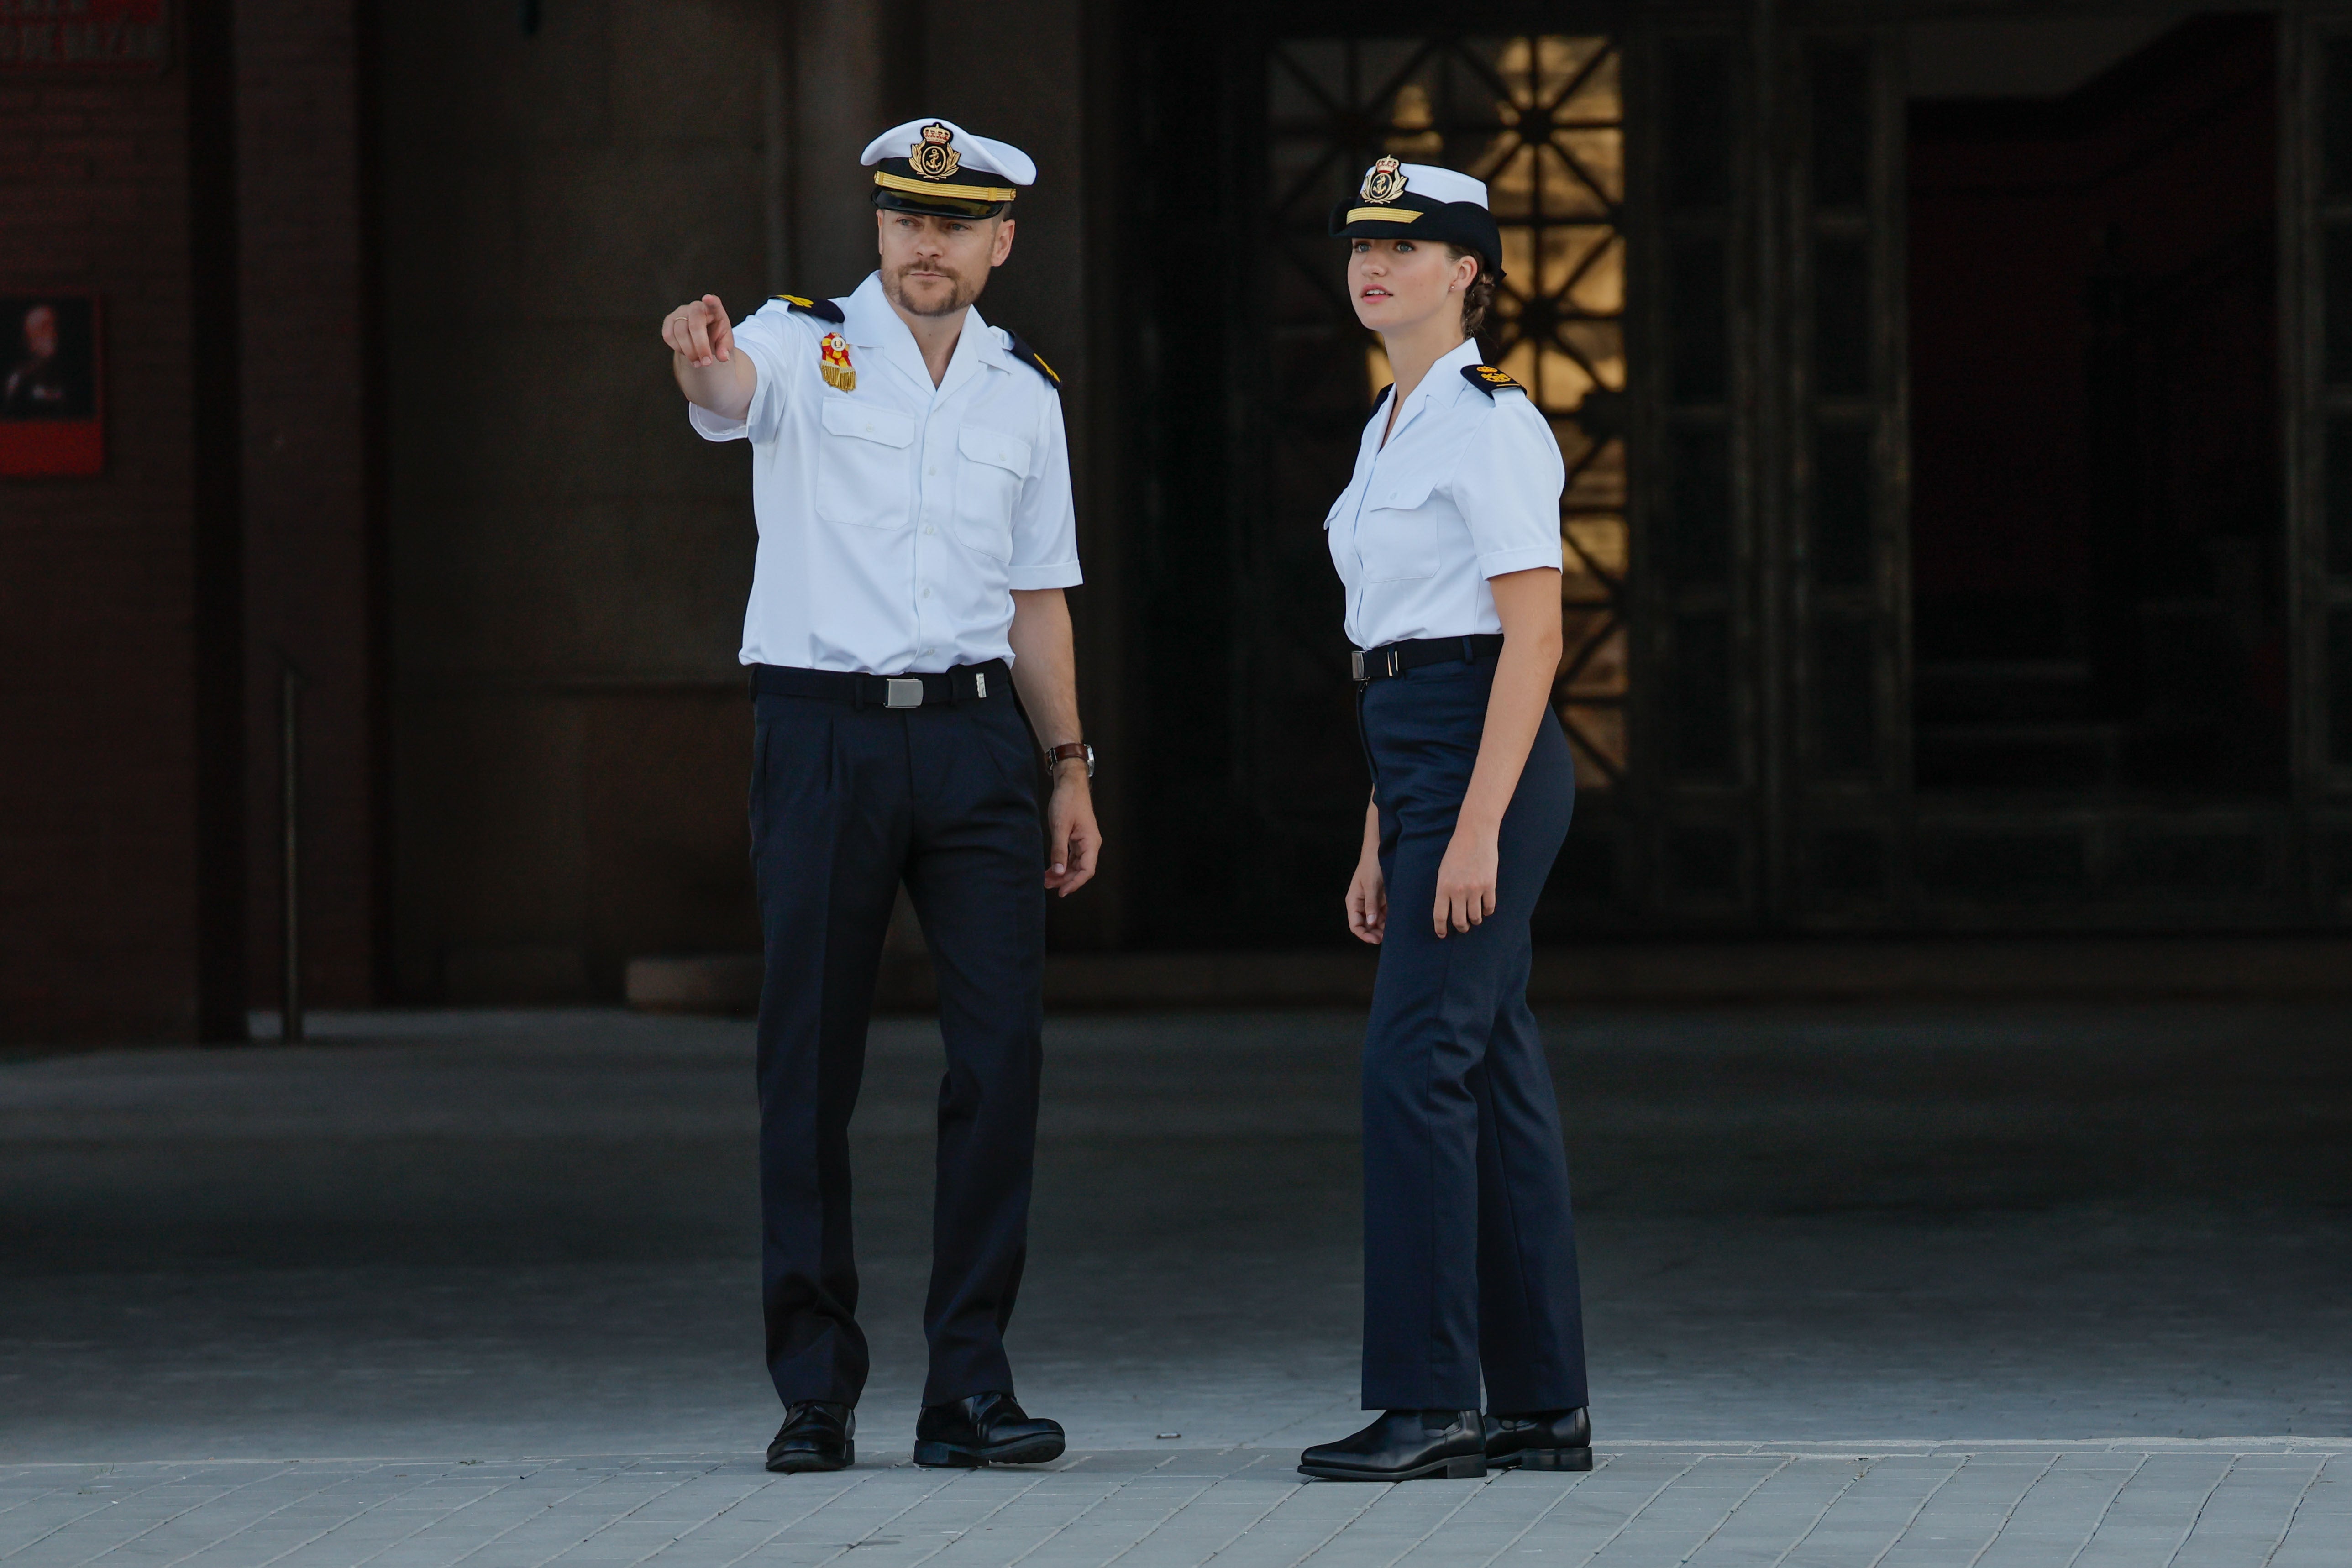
point(869, 322)
point(1447, 372)
point(1441, 386)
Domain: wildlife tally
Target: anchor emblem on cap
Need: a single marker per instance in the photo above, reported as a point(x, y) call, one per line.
point(1385, 182)
point(932, 157)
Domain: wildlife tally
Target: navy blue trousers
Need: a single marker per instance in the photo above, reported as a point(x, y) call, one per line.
point(1469, 1248)
point(846, 802)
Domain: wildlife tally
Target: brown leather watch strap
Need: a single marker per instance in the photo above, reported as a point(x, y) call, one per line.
point(1064, 752)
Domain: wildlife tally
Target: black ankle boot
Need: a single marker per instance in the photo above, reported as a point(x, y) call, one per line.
point(1404, 1445)
point(1541, 1441)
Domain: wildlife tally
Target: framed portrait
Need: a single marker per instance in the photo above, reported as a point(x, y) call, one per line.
point(52, 385)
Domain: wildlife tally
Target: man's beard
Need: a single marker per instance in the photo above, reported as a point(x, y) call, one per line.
point(895, 286)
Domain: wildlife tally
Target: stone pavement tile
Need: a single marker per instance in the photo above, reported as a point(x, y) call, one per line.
point(57, 1508)
point(1912, 1510)
point(896, 1515)
point(538, 1512)
point(1224, 1462)
point(1495, 1523)
point(2063, 1510)
point(1805, 1505)
point(153, 1521)
point(1784, 1508)
point(1303, 1520)
point(2153, 1513)
point(1600, 1508)
point(1118, 1461)
point(1219, 1516)
point(1687, 1512)
point(1401, 1520)
point(346, 1518)
point(977, 1515)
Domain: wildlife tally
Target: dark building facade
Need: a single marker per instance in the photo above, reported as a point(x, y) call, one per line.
point(1959, 525)
point(1948, 395)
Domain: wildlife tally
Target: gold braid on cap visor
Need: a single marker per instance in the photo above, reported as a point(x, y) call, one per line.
point(1386, 215)
point(942, 188)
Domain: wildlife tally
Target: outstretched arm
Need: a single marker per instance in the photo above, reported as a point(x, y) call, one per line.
point(709, 372)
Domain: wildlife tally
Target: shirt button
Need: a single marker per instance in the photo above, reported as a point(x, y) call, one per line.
point(926, 593)
point(930, 530)
point(933, 472)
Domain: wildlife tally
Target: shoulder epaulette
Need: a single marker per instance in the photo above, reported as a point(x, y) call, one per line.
point(1381, 402)
point(1029, 357)
point(823, 309)
point(1489, 379)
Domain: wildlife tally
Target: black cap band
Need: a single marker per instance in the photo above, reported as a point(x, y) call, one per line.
point(1411, 216)
point(940, 205)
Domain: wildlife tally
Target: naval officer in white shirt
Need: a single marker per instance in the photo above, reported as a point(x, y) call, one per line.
point(1447, 541)
point(911, 484)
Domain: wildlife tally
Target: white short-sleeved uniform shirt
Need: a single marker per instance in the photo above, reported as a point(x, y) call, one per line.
point(1467, 488)
point(896, 517)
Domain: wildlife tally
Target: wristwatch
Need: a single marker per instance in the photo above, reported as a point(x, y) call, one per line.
point(1057, 755)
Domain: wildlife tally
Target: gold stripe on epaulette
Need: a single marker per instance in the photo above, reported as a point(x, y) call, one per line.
point(942, 188)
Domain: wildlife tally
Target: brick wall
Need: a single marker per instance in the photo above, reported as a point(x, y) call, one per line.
point(138, 784)
point(98, 890)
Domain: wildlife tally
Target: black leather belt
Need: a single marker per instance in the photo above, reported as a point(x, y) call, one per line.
point(1395, 658)
point(965, 682)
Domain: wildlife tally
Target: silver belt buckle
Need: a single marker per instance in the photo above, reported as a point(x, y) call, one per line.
point(897, 692)
point(1355, 661)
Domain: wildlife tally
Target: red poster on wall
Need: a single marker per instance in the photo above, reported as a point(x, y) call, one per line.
point(52, 386)
point(84, 35)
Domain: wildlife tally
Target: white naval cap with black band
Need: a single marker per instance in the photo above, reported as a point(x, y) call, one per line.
point(937, 166)
point(1421, 201)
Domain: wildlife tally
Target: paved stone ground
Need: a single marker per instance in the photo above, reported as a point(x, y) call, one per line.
point(2004, 1286)
point(2007, 1506)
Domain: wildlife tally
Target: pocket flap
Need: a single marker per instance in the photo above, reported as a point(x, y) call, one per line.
point(1400, 495)
point(869, 422)
point(994, 446)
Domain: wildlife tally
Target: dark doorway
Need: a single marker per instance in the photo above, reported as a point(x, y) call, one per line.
point(2096, 525)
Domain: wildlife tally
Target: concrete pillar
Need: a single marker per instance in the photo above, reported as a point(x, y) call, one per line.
point(853, 68)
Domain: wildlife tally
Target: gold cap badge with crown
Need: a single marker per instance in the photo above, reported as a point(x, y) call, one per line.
point(932, 157)
point(1384, 181)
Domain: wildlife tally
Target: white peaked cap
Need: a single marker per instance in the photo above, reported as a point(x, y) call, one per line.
point(981, 154)
point(1442, 185)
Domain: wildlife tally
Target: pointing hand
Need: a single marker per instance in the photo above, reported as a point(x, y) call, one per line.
point(699, 332)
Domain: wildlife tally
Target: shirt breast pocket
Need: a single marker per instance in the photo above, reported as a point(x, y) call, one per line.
point(862, 478)
point(1396, 533)
point(988, 487)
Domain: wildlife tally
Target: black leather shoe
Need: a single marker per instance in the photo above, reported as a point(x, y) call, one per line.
point(983, 1429)
point(1404, 1445)
point(1542, 1440)
point(817, 1435)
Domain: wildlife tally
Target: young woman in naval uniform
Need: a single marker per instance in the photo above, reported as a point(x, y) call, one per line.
point(1447, 539)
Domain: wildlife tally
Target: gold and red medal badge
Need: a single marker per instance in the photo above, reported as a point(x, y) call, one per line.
point(833, 362)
